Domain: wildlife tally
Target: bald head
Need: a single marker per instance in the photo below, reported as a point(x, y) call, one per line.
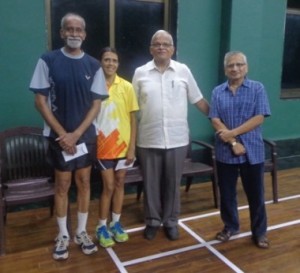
point(162, 33)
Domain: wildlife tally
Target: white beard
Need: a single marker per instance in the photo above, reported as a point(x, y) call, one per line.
point(74, 42)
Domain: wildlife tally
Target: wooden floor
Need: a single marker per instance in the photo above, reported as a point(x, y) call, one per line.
point(30, 238)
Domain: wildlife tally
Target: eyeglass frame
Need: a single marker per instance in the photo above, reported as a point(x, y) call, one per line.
point(162, 45)
point(238, 65)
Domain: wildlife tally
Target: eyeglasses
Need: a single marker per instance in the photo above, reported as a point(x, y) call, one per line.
point(238, 65)
point(163, 45)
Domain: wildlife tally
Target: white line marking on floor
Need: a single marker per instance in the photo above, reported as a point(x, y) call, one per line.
point(161, 255)
point(211, 249)
point(202, 243)
point(289, 197)
point(116, 260)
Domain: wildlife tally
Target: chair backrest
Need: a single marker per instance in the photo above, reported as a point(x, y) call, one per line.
point(23, 153)
point(204, 152)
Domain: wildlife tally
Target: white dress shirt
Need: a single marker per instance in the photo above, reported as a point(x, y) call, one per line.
point(163, 101)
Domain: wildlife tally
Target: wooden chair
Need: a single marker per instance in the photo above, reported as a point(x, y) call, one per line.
point(25, 176)
point(191, 169)
point(134, 178)
point(205, 167)
point(271, 166)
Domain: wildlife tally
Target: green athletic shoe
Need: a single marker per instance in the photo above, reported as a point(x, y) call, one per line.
point(118, 232)
point(104, 237)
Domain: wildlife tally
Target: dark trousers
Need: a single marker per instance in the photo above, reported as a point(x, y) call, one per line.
point(252, 177)
point(162, 172)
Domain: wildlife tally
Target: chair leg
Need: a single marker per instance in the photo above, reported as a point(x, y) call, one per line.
point(51, 204)
point(215, 190)
point(139, 191)
point(189, 181)
point(274, 186)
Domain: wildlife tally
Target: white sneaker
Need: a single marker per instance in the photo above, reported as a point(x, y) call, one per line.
point(60, 251)
point(86, 243)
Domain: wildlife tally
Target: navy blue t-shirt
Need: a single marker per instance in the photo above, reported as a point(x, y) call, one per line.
point(71, 86)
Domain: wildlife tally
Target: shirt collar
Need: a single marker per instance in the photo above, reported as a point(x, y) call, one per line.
point(151, 65)
point(245, 83)
point(117, 79)
point(79, 56)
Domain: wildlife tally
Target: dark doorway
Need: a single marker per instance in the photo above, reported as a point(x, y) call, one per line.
point(127, 25)
point(290, 80)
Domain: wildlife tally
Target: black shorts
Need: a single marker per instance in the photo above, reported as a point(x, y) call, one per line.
point(56, 159)
point(105, 164)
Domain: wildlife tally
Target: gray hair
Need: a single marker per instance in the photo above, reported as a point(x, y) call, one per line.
point(228, 55)
point(70, 14)
point(162, 32)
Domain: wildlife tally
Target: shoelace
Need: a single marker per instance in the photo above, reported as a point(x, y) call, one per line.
point(118, 228)
point(86, 239)
point(104, 232)
point(61, 243)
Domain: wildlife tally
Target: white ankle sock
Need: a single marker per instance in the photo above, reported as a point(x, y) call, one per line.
point(82, 220)
point(62, 225)
point(102, 222)
point(115, 217)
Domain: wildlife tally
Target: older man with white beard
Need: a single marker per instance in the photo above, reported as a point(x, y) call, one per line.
point(69, 86)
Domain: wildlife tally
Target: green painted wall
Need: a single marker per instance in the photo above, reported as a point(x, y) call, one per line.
point(258, 30)
point(22, 40)
point(199, 25)
point(206, 29)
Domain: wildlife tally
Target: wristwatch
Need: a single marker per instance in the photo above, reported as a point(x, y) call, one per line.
point(233, 143)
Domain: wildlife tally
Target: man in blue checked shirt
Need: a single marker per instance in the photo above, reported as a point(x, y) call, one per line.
point(238, 109)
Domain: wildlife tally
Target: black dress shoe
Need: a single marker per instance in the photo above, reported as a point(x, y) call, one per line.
point(172, 233)
point(150, 232)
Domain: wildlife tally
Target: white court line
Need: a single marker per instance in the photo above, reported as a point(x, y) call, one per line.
point(205, 215)
point(289, 197)
point(211, 249)
point(286, 224)
point(241, 235)
point(239, 208)
point(116, 260)
point(248, 233)
point(135, 229)
point(202, 243)
point(161, 255)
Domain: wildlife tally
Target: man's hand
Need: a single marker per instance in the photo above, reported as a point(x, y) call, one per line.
point(226, 135)
point(238, 148)
point(68, 142)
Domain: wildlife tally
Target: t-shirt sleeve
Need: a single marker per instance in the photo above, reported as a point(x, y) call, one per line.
point(98, 87)
point(40, 79)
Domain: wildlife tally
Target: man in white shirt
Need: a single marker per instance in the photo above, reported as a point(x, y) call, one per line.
point(164, 87)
